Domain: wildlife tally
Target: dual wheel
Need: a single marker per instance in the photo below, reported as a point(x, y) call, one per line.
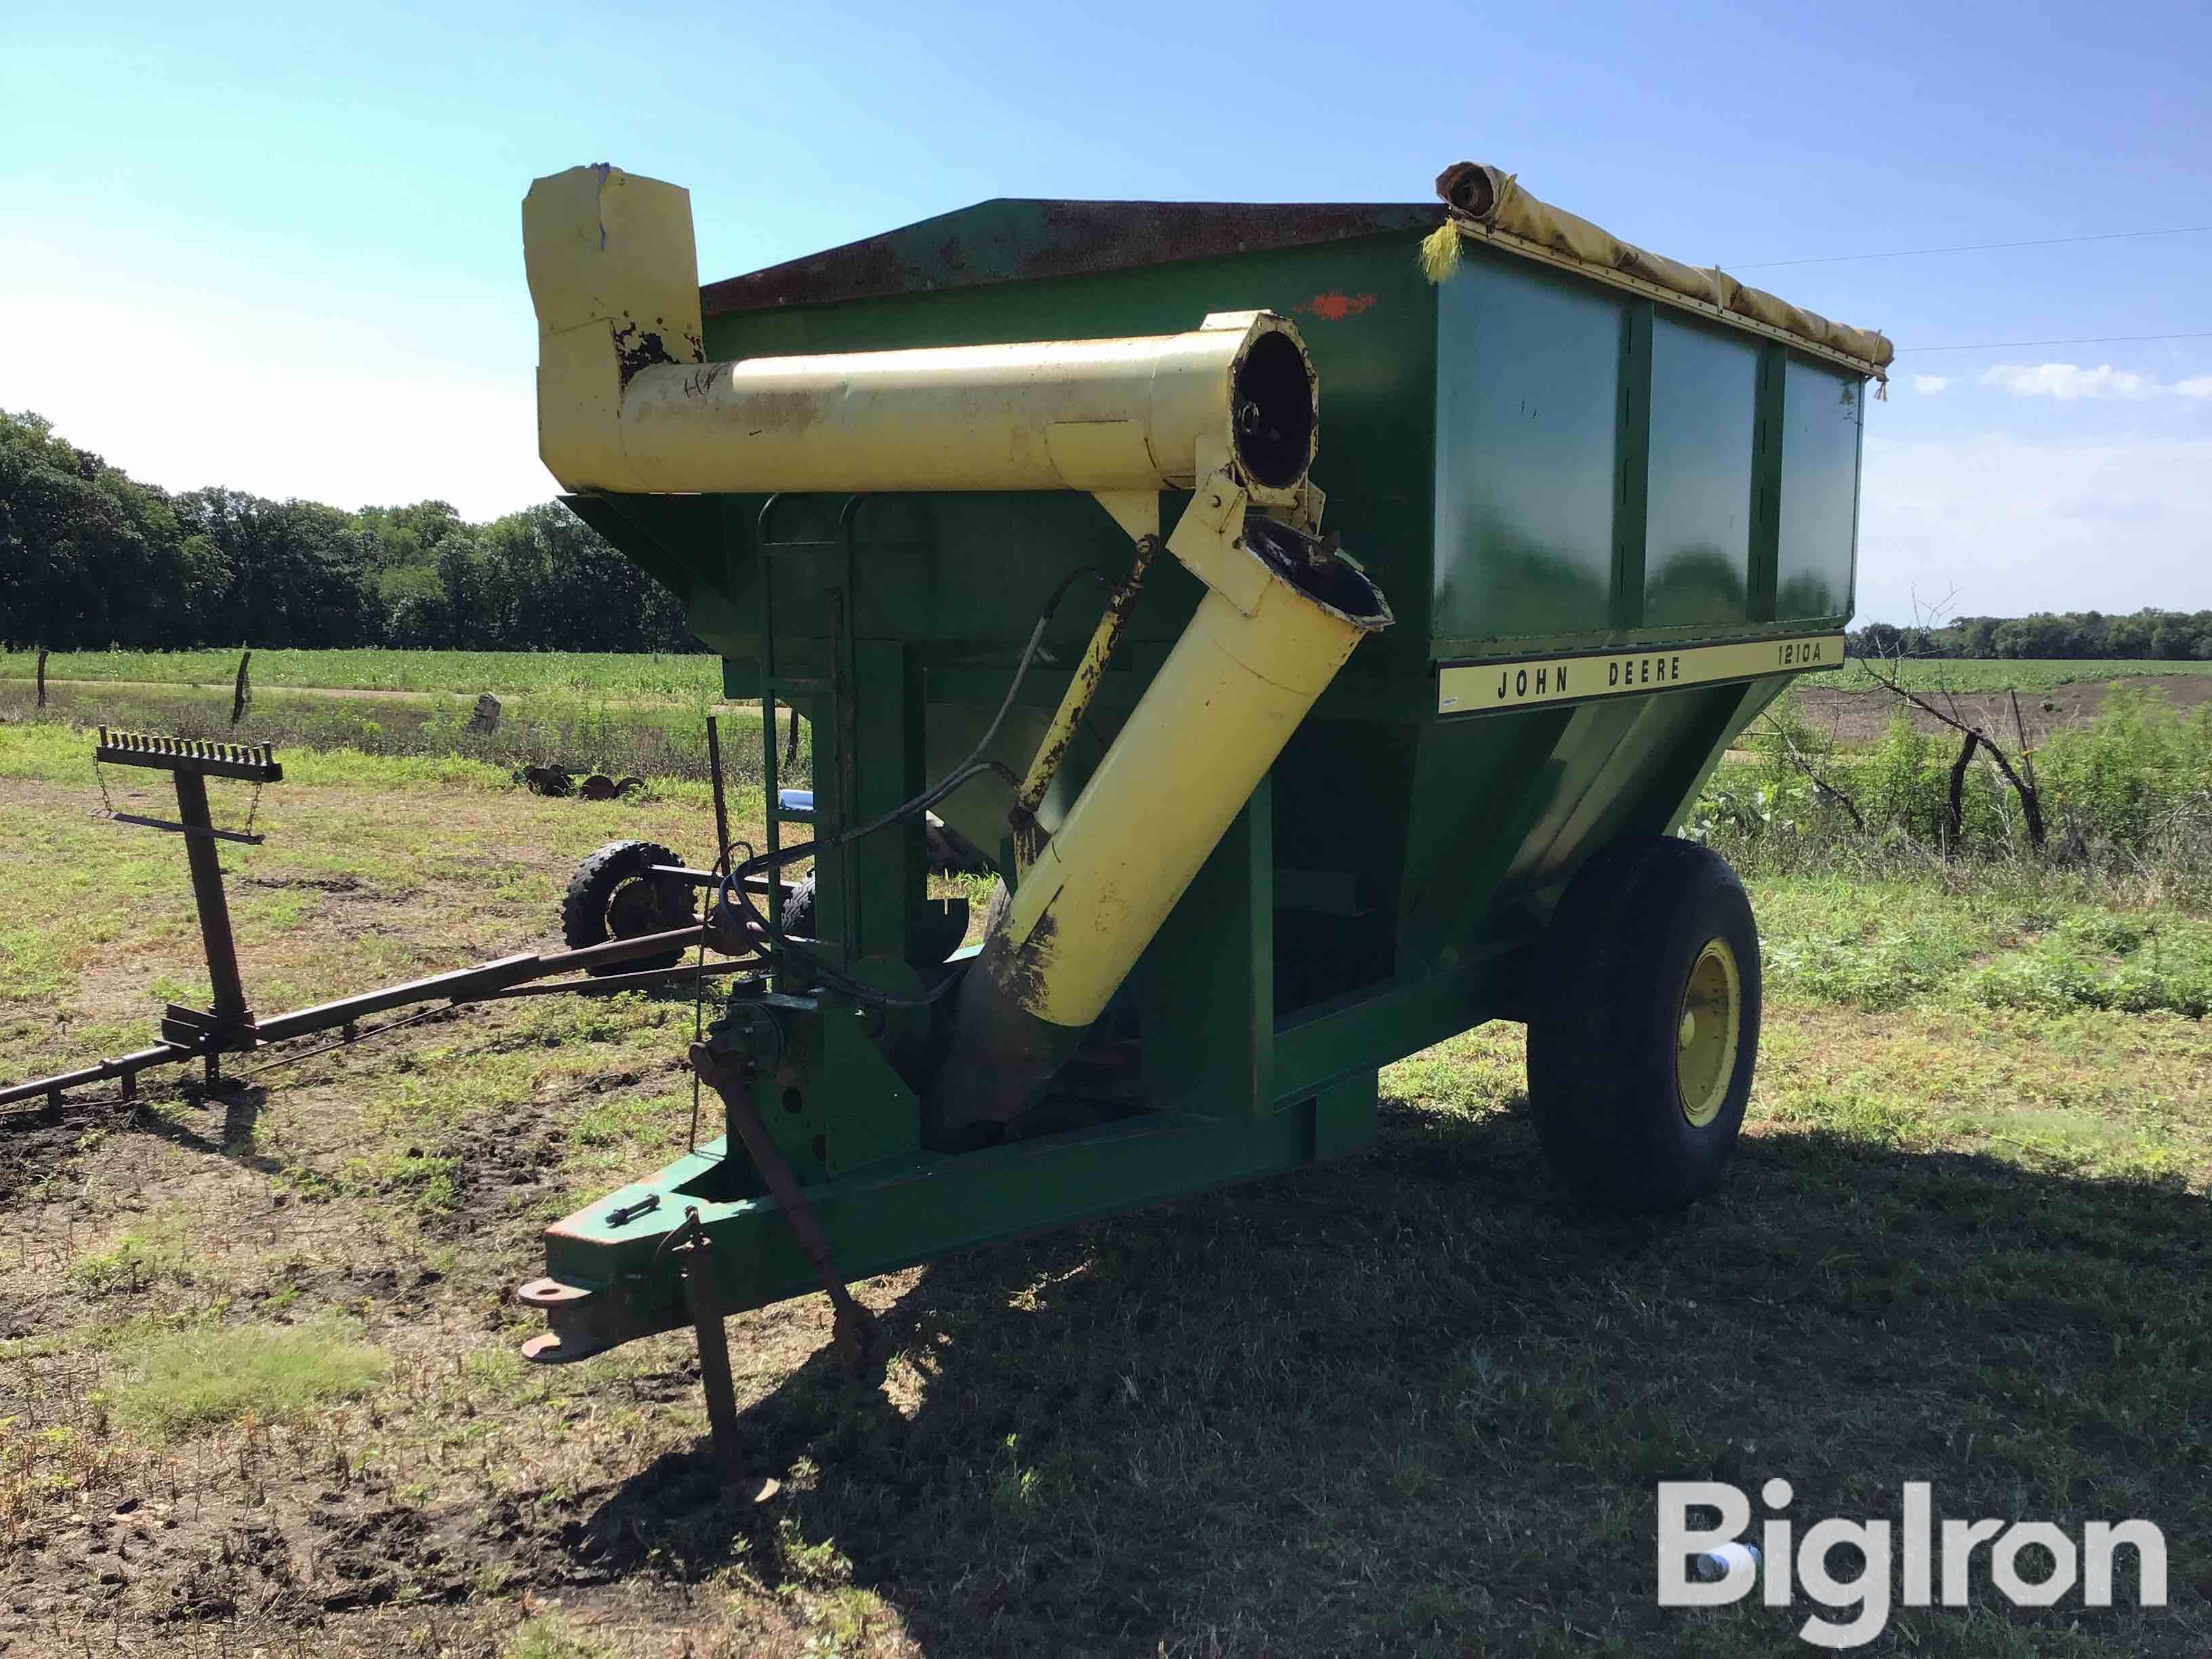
point(1644, 1031)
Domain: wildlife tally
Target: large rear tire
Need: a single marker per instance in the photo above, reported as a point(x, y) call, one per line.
point(1645, 1032)
point(615, 895)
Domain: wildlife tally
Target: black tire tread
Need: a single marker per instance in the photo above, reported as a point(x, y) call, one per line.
point(798, 918)
point(583, 906)
point(1605, 1130)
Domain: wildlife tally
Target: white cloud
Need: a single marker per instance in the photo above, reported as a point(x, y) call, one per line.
point(1930, 384)
point(2009, 524)
point(2067, 381)
point(2197, 386)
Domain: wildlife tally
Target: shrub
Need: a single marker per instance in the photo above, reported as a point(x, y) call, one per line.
point(2137, 771)
point(2132, 784)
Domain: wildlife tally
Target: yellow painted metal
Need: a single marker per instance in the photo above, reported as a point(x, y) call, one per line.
point(1471, 688)
point(1707, 1034)
point(614, 277)
point(1200, 739)
point(625, 402)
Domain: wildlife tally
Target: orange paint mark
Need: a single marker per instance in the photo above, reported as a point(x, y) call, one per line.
point(1335, 308)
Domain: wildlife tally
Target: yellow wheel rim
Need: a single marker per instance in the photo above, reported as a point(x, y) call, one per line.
point(1707, 1032)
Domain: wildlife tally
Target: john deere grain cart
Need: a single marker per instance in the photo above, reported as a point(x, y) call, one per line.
point(1306, 731)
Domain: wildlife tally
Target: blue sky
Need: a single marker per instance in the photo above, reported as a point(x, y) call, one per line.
point(277, 247)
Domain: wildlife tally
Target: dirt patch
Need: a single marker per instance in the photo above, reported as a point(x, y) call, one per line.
point(1856, 719)
point(498, 1170)
point(38, 1145)
point(248, 1569)
point(380, 1553)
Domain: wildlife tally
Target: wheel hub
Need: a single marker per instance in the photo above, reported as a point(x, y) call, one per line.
point(635, 910)
point(1708, 1033)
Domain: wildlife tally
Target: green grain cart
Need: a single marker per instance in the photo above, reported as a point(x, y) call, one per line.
point(1322, 614)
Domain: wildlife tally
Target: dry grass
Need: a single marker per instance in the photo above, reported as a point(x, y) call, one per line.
point(1409, 1402)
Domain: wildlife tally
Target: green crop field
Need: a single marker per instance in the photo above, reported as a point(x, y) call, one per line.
point(690, 678)
point(2005, 674)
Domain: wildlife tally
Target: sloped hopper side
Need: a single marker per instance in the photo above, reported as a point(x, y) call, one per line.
point(1203, 735)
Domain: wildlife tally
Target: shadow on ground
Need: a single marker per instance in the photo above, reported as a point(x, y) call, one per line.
point(1415, 1402)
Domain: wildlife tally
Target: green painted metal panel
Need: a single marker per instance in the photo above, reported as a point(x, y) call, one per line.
point(1477, 787)
point(1331, 1043)
point(1528, 388)
point(1632, 464)
point(1766, 479)
point(1697, 566)
point(902, 1211)
point(1204, 986)
point(1822, 412)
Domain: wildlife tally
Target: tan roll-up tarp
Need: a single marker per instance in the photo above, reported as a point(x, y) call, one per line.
point(1487, 199)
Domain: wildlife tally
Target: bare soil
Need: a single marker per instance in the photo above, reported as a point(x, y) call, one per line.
point(1859, 718)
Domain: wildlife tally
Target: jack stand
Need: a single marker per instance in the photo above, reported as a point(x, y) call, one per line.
point(705, 1301)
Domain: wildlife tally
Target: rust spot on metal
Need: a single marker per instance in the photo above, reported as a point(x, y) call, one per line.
point(638, 347)
point(1020, 972)
point(1030, 836)
point(1335, 308)
point(1083, 685)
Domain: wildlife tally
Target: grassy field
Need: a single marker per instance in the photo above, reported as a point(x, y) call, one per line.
point(651, 739)
point(684, 678)
point(259, 1390)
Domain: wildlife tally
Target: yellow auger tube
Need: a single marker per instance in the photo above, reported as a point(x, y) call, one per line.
point(1200, 739)
point(627, 401)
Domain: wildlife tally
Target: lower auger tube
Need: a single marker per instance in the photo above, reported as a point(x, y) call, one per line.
point(1201, 737)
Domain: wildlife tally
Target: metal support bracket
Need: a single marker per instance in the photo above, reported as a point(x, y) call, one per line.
point(853, 1329)
point(1206, 541)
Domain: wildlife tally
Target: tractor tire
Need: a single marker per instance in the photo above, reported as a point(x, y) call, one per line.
point(1644, 1032)
point(613, 895)
point(799, 908)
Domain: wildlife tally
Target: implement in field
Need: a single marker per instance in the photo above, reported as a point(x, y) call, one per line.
point(1260, 831)
point(635, 939)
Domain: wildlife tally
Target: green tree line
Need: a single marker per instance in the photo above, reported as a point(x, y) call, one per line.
point(2168, 636)
point(90, 558)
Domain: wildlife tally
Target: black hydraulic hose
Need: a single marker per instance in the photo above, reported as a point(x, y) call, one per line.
point(780, 946)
